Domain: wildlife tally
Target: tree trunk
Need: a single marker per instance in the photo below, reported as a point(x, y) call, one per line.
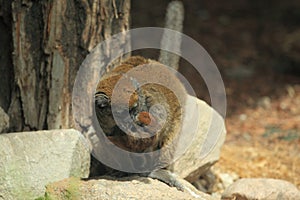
point(49, 39)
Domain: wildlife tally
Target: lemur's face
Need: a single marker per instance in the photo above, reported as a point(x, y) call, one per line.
point(136, 111)
point(140, 108)
point(134, 108)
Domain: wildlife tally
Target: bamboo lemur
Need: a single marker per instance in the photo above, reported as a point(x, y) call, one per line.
point(139, 106)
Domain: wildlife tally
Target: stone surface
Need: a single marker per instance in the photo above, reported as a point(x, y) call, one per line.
point(125, 188)
point(227, 179)
point(203, 134)
point(261, 189)
point(4, 121)
point(203, 138)
point(31, 160)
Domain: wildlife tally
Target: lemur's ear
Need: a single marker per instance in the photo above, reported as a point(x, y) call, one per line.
point(101, 100)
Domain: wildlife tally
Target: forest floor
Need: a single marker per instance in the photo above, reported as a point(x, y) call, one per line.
point(261, 76)
point(263, 137)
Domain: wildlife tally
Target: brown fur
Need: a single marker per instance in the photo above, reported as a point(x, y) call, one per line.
point(155, 94)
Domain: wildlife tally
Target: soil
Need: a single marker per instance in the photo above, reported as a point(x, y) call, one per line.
point(256, 46)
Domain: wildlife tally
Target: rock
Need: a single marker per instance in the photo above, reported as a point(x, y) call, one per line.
point(205, 146)
point(214, 181)
point(199, 144)
point(4, 121)
point(206, 182)
point(227, 179)
point(264, 102)
point(31, 160)
point(223, 180)
point(261, 189)
point(125, 188)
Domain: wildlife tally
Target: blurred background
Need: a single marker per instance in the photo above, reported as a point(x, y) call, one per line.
point(256, 46)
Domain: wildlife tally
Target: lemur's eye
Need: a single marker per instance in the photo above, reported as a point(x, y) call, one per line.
point(101, 100)
point(133, 109)
point(135, 105)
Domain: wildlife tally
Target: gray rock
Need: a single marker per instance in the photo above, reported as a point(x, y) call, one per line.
point(31, 160)
point(261, 189)
point(199, 144)
point(203, 136)
point(126, 188)
point(264, 102)
point(227, 179)
point(4, 121)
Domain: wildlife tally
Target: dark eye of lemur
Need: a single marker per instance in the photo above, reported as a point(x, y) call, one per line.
point(133, 111)
point(101, 100)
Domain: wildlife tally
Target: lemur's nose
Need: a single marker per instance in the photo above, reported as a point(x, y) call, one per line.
point(144, 118)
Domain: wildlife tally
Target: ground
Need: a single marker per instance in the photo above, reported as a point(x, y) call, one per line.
point(256, 47)
point(263, 138)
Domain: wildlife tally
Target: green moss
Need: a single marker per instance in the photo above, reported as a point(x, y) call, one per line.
point(46, 197)
point(72, 191)
point(67, 189)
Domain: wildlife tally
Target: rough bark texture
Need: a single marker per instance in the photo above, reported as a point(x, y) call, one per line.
point(174, 21)
point(6, 68)
point(49, 39)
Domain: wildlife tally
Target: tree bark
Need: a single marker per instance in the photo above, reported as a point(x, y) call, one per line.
point(6, 68)
point(50, 39)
